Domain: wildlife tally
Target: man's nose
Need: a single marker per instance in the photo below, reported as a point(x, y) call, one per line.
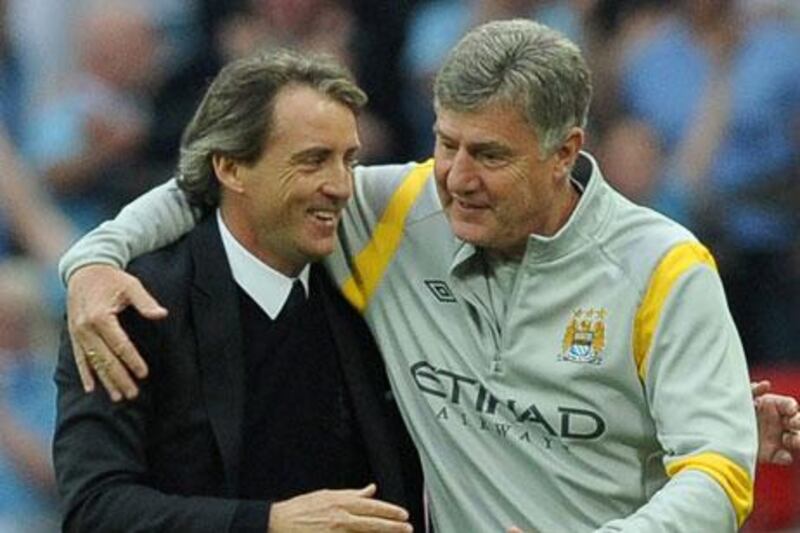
point(339, 183)
point(463, 175)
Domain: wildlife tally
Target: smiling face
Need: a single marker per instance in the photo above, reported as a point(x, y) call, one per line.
point(495, 184)
point(286, 206)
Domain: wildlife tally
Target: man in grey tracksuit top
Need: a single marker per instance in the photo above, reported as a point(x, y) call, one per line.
point(586, 376)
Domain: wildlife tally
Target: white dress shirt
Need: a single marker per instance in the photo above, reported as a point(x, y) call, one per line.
point(265, 285)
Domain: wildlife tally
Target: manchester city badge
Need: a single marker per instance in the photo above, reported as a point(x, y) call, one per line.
point(585, 337)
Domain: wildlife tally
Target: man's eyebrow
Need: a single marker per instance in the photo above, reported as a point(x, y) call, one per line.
point(310, 153)
point(489, 146)
point(485, 146)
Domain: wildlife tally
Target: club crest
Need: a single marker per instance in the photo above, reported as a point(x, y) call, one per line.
point(585, 337)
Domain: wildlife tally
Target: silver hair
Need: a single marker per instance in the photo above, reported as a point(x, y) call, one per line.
point(234, 118)
point(523, 64)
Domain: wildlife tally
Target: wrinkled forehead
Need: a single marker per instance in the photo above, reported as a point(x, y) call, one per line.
point(489, 122)
point(304, 116)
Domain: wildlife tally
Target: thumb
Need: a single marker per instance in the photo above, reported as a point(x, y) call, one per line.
point(368, 491)
point(759, 388)
point(145, 304)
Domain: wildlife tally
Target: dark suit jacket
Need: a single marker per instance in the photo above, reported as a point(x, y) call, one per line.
point(169, 460)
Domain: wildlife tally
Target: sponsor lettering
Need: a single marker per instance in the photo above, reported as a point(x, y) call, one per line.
point(470, 402)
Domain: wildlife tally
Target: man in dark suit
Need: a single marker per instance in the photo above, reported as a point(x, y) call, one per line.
point(265, 386)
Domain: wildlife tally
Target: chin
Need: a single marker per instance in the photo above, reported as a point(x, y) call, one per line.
point(318, 250)
point(475, 235)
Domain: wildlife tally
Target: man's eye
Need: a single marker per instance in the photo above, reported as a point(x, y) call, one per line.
point(450, 147)
point(313, 161)
point(492, 159)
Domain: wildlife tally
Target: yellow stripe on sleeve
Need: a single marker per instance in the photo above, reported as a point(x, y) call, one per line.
point(677, 262)
point(371, 263)
point(733, 479)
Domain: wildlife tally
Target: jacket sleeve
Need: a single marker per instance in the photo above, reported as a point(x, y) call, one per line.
point(373, 225)
point(102, 469)
point(693, 370)
point(157, 218)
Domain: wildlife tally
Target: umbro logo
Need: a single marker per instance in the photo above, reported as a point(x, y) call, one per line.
point(440, 290)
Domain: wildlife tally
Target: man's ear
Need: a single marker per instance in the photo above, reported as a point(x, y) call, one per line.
point(567, 153)
point(228, 172)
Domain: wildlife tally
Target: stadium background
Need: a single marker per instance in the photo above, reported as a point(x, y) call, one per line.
point(696, 113)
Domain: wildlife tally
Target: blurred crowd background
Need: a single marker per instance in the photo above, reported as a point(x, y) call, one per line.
point(696, 113)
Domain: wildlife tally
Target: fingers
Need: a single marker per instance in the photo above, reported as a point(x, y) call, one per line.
point(367, 505)
point(112, 375)
point(96, 295)
point(145, 304)
point(96, 362)
point(791, 440)
point(787, 406)
point(365, 524)
point(100, 359)
point(760, 387)
point(119, 344)
point(793, 423)
point(367, 514)
point(784, 406)
point(376, 508)
point(340, 510)
point(85, 373)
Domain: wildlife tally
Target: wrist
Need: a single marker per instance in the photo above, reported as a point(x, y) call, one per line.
point(85, 267)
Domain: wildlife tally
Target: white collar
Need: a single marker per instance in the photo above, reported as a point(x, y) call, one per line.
point(265, 285)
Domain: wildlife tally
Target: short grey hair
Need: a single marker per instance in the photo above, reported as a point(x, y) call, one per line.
point(523, 64)
point(235, 117)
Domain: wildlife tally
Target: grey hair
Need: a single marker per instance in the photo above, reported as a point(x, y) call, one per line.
point(523, 64)
point(235, 117)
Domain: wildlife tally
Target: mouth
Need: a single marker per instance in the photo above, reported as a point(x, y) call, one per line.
point(468, 207)
point(325, 217)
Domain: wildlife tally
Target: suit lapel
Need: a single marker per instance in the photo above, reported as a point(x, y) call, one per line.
point(215, 311)
point(362, 371)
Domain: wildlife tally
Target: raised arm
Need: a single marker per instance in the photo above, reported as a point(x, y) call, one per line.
point(98, 290)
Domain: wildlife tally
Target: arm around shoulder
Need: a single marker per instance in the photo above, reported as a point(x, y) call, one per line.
point(153, 220)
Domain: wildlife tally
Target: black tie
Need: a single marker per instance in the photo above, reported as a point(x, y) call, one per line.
point(297, 298)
